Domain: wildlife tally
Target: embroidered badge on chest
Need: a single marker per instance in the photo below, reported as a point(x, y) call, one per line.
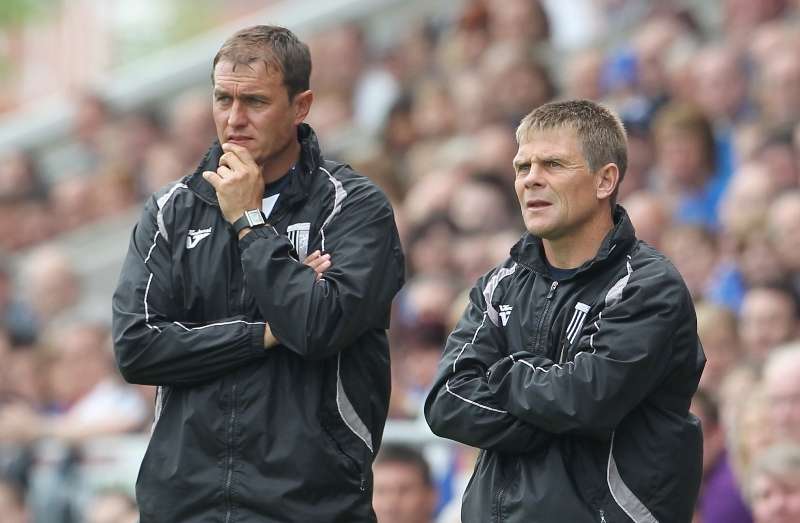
point(298, 235)
point(195, 235)
point(505, 312)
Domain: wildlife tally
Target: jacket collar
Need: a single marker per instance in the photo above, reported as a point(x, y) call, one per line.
point(529, 250)
point(299, 185)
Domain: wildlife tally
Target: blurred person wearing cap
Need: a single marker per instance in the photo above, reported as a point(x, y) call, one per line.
point(574, 364)
point(256, 295)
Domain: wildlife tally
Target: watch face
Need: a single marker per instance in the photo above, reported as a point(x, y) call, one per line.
point(254, 217)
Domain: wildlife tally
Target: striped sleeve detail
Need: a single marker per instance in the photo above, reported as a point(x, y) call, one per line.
point(488, 291)
point(622, 494)
point(338, 199)
point(161, 202)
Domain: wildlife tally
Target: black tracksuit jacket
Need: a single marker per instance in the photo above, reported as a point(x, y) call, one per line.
point(244, 434)
point(578, 391)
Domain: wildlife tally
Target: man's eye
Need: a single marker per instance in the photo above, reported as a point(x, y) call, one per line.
point(223, 99)
point(552, 163)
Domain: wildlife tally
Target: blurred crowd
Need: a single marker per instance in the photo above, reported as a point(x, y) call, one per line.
point(712, 110)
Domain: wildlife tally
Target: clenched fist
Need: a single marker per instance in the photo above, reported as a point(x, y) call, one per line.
point(238, 182)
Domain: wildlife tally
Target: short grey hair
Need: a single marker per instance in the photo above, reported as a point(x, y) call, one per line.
point(779, 460)
point(600, 131)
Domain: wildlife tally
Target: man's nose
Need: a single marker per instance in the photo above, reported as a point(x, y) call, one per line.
point(237, 116)
point(534, 178)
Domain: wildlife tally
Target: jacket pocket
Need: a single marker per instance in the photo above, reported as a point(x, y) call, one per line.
point(347, 459)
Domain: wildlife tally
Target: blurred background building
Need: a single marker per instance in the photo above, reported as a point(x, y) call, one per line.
point(102, 103)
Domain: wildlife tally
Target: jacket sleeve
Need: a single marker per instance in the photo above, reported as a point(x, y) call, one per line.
point(461, 406)
point(318, 318)
point(151, 344)
point(624, 355)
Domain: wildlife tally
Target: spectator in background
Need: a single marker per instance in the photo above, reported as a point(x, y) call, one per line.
point(693, 250)
point(685, 164)
point(779, 88)
point(404, 491)
point(12, 503)
point(768, 318)
point(19, 177)
point(648, 215)
point(190, 127)
point(784, 233)
point(88, 398)
point(50, 284)
point(112, 506)
point(774, 485)
point(720, 498)
point(720, 80)
point(716, 326)
point(782, 389)
point(776, 152)
point(16, 317)
point(481, 204)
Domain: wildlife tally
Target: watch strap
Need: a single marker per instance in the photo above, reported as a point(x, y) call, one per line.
point(251, 218)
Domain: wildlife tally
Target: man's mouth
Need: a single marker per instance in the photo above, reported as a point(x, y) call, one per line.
point(238, 139)
point(537, 204)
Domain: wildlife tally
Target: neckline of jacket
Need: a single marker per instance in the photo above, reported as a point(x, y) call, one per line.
point(529, 251)
point(296, 191)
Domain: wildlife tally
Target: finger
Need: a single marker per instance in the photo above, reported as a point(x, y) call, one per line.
point(320, 259)
point(212, 178)
point(321, 269)
point(315, 263)
point(239, 151)
point(225, 172)
point(313, 256)
point(231, 160)
point(324, 266)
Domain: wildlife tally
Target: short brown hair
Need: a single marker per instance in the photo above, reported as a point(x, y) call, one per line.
point(278, 47)
point(600, 132)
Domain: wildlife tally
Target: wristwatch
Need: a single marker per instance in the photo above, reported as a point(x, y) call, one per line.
point(252, 218)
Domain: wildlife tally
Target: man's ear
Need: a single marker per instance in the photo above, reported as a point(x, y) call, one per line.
point(302, 104)
point(607, 180)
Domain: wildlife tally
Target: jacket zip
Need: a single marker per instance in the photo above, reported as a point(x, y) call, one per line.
point(602, 516)
point(229, 472)
point(549, 298)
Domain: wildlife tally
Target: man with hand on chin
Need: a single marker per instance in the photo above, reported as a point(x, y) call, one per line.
point(574, 365)
point(272, 374)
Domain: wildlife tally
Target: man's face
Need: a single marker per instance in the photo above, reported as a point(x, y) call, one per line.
point(252, 108)
point(400, 495)
point(556, 190)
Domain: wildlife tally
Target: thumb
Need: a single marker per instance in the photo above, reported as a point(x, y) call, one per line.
point(211, 177)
